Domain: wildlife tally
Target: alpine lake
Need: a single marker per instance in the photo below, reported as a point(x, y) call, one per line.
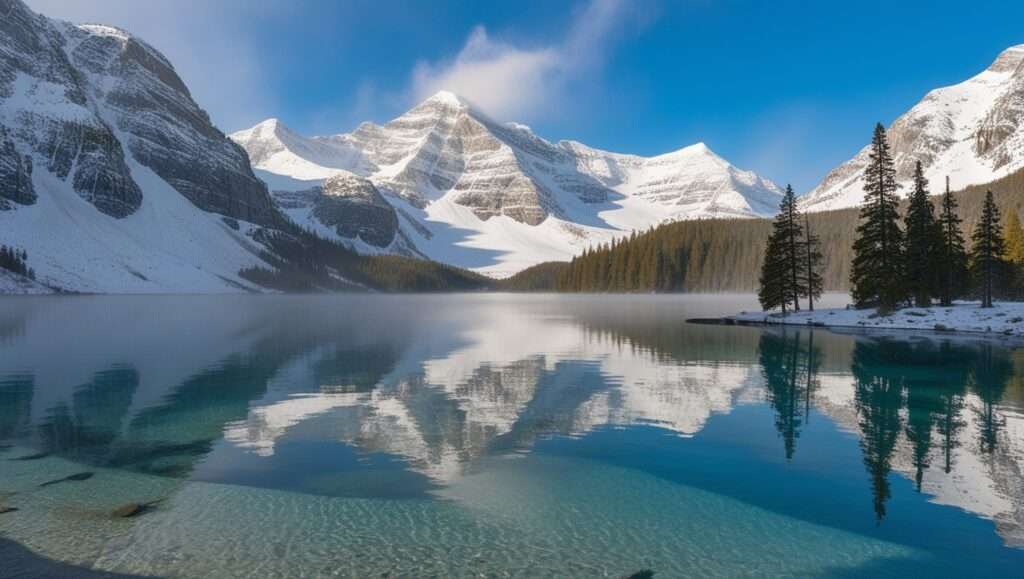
point(495, 435)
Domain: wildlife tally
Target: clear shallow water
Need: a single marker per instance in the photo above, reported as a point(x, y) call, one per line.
point(495, 435)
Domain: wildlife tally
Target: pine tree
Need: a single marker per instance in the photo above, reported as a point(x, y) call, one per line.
point(794, 233)
point(987, 250)
point(772, 289)
point(782, 279)
point(1014, 238)
point(877, 272)
point(952, 254)
point(1015, 252)
point(921, 252)
point(813, 283)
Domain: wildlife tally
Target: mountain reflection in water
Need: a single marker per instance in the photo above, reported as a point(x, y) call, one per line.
point(402, 397)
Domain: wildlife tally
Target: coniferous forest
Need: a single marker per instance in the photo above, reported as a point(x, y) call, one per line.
point(718, 255)
point(15, 259)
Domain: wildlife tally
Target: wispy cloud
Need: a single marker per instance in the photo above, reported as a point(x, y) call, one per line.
point(512, 82)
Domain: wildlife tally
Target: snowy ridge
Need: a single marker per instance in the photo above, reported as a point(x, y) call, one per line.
point(972, 132)
point(495, 197)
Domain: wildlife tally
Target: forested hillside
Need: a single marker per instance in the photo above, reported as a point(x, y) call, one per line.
point(304, 262)
point(713, 255)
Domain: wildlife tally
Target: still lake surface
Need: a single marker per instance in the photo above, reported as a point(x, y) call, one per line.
point(497, 435)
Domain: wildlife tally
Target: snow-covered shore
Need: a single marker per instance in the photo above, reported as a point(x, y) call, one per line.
point(1005, 319)
point(14, 284)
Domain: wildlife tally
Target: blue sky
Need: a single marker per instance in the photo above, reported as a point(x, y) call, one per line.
point(786, 88)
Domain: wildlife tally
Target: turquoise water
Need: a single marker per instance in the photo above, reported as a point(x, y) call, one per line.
point(493, 435)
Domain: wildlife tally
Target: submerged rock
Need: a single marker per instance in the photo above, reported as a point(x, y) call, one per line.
point(71, 478)
point(129, 510)
point(36, 456)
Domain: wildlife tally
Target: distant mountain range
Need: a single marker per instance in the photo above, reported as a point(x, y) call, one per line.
point(467, 190)
point(115, 180)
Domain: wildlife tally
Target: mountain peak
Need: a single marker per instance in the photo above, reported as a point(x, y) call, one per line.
point(272, 127)
point(448, 98)
point(270, 123)
point(972, 131)
point(1008, 60)
point(692, 151)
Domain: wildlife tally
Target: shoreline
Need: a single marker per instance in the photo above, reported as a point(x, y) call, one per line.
point(1004, 321)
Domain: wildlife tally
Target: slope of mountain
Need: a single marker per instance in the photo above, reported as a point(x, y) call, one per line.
point(111, 176)
point(972, 132)
point(496, 197)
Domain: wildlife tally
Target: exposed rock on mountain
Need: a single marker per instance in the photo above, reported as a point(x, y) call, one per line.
point(90, 113)
point(496, 197)
point(46, 110)
point(970, 132)
point(165, 129)
point(355, 208)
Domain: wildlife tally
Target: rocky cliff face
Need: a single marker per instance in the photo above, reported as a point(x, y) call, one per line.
point(46, 113)
point(355, 208)
point(442, 146)
point(111, 176)
point(970, 132)
point(77, 98)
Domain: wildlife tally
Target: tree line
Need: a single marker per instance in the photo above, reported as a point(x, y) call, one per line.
point(713, 255)
point(15, 259)
point(897, 261)
point(299, 260)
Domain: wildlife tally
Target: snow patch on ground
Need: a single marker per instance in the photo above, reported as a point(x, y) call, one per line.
point(1005, 318)
point(14, 284)
point(167, 246)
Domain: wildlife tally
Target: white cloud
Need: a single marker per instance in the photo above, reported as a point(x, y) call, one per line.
point(511, 82)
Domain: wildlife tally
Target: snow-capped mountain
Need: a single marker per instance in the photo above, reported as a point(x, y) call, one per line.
point(495, 197)
point(111, 176)
point(972, 132)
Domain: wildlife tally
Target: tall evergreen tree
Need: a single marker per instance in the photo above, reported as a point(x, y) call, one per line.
point(771, 290)
point(782, 279)
point(952, 253)
point(877, 275)
point(813, 283)
point(1015, 252)
point(1014, 238)
point(921, 252)
point(987, 251)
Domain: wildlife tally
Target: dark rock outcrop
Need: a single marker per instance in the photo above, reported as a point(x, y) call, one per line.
point(15, 174)
point(355, 208)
